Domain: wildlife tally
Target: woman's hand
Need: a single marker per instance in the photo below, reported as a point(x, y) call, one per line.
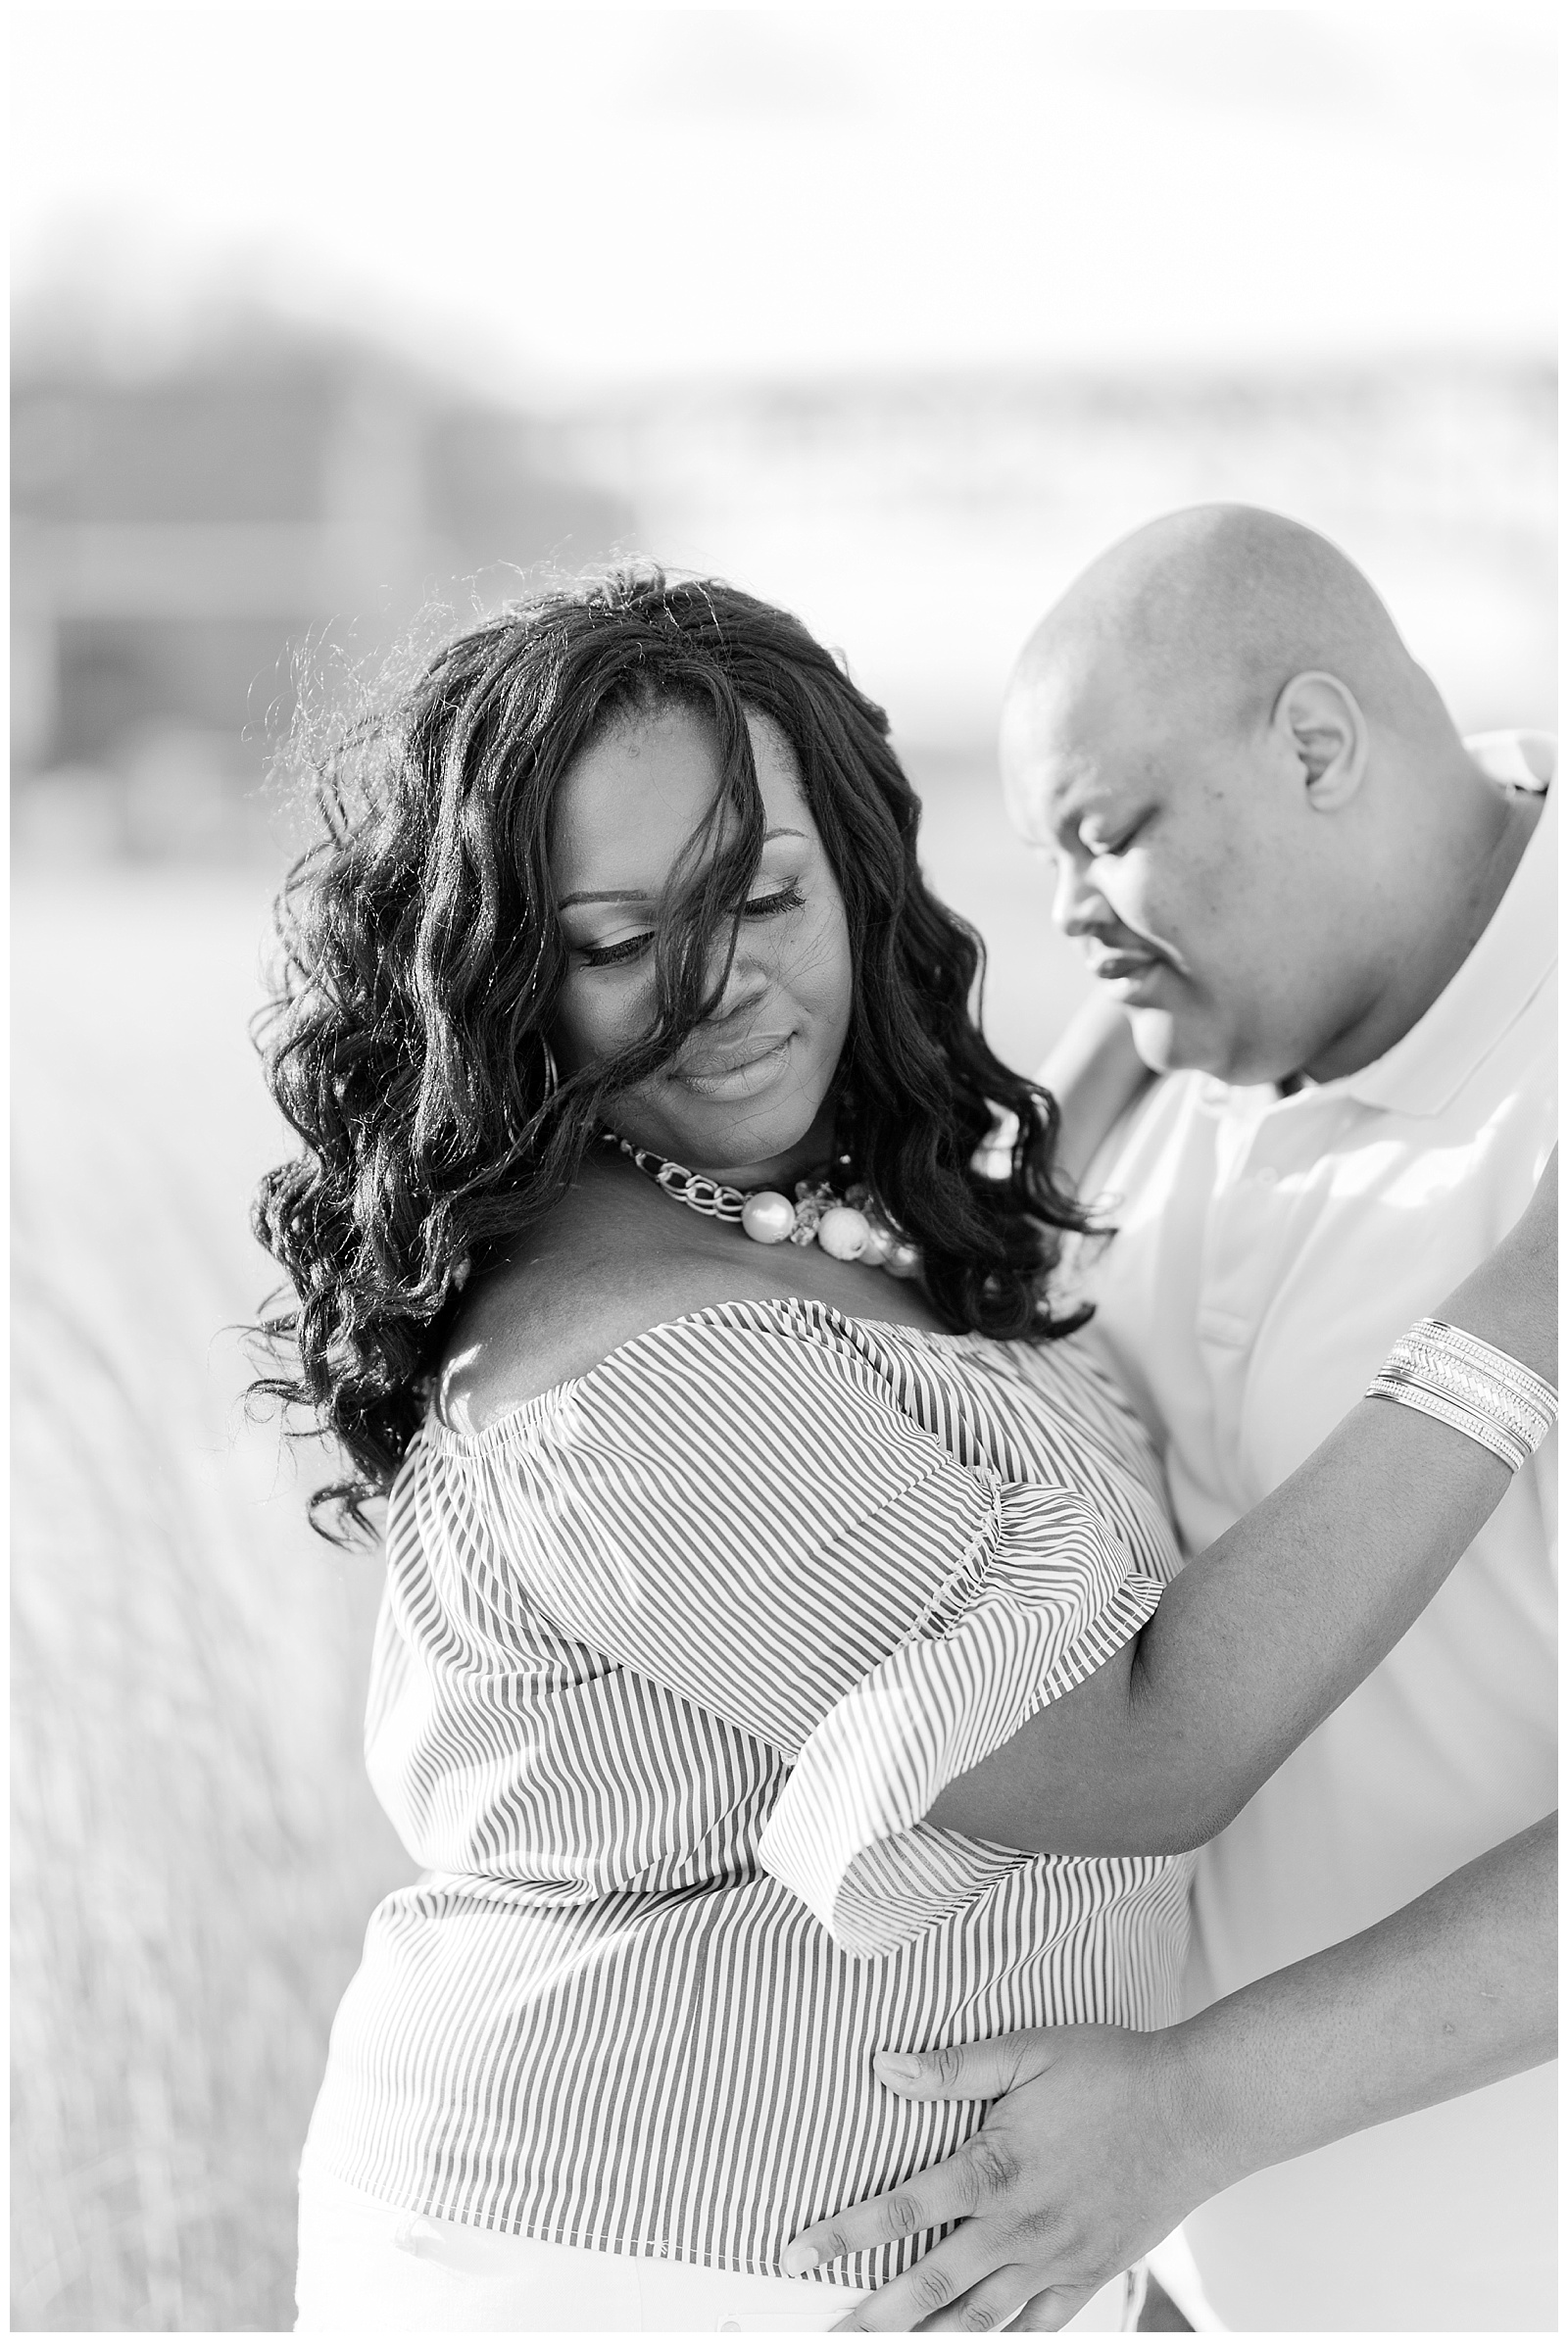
point(1091, 2156)
point(1511, 1299)
point(1537, 1224)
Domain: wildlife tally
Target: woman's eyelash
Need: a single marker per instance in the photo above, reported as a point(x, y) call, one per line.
point(605, 955)
point(761, 907)
point(767, 906)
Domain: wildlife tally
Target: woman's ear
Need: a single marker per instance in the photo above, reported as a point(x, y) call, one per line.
point(1319, 721)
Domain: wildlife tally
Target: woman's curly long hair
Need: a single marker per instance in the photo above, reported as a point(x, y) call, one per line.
point(421, 958)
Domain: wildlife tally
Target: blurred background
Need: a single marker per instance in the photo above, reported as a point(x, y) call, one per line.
point(339, 325)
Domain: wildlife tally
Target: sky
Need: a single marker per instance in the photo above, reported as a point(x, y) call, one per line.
point(574, 201)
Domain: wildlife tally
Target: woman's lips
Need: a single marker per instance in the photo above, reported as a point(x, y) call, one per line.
point(736, 1072)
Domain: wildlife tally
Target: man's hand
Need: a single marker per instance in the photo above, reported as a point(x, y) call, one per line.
point(1086, 2161)
point(1102, 2140)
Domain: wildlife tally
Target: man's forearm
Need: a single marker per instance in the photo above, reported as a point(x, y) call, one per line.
point(1094, 1074)
point(1101, 2140)
point(1456, 1989)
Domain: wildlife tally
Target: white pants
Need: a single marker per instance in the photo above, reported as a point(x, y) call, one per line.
point(368, 2268)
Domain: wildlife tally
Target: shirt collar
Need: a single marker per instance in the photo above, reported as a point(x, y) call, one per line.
point(1514, 955)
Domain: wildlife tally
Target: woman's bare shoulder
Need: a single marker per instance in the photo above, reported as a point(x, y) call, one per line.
point(576, 1289)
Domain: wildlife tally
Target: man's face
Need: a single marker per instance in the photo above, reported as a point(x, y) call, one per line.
point(1190, 868)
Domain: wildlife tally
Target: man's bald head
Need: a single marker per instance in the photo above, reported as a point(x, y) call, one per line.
point(1257, 801)
point(1209, 614)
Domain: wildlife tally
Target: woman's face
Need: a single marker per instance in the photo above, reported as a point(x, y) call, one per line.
point(745, 1096)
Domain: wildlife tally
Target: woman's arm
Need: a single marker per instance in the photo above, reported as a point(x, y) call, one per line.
point(1094, 1074)
point(1270, 1628)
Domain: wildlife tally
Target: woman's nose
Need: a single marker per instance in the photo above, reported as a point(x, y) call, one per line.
point(747, 978)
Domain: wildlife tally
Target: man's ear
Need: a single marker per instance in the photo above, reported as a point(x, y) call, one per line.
point(1319, 721)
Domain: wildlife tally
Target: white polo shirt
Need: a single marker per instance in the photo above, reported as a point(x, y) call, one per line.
point(1269, 1250)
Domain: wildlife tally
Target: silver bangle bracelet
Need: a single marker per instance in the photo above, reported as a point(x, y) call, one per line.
point(1458, 1379)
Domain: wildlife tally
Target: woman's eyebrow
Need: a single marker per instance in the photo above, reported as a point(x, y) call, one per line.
point(639, 894)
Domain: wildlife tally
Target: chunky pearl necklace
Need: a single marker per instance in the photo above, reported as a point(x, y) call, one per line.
point(845, 1226)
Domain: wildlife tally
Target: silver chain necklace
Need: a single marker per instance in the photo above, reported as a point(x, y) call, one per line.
point(847, 1226)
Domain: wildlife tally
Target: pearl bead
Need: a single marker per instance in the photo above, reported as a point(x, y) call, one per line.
point(903, 1260)
point(878, 1244)
point(769, 1217)
point(843, 1232)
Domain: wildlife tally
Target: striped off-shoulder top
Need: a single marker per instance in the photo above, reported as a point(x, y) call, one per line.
point(670, 1663)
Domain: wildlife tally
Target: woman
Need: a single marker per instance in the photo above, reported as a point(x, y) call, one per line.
point(773, 1665)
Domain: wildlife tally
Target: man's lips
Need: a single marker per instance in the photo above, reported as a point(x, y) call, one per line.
point(1109, 967)
point(1131, 977)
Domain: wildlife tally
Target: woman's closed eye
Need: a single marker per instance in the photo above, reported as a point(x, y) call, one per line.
point(787, 896)
point(632, 946)
point(609, 956)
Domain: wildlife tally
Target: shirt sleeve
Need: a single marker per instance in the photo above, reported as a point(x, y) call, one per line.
point(746, 1515)
point(1052, 1597)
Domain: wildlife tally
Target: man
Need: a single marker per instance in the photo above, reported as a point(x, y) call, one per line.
point(1331, 926)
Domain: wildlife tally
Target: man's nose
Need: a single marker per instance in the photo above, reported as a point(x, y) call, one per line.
point(1076, 904)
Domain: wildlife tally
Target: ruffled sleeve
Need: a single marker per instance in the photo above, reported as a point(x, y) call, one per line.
point(1048, 1596)
point(739, 1508)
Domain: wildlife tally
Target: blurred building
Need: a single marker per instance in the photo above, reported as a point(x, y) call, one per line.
point(923, 524)
point(179, 538)
point(181, 533)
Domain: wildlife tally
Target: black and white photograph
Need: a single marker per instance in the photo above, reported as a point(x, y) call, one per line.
point(784, 1185)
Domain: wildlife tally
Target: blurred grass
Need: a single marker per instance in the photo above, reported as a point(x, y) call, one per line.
point(195, 1848)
